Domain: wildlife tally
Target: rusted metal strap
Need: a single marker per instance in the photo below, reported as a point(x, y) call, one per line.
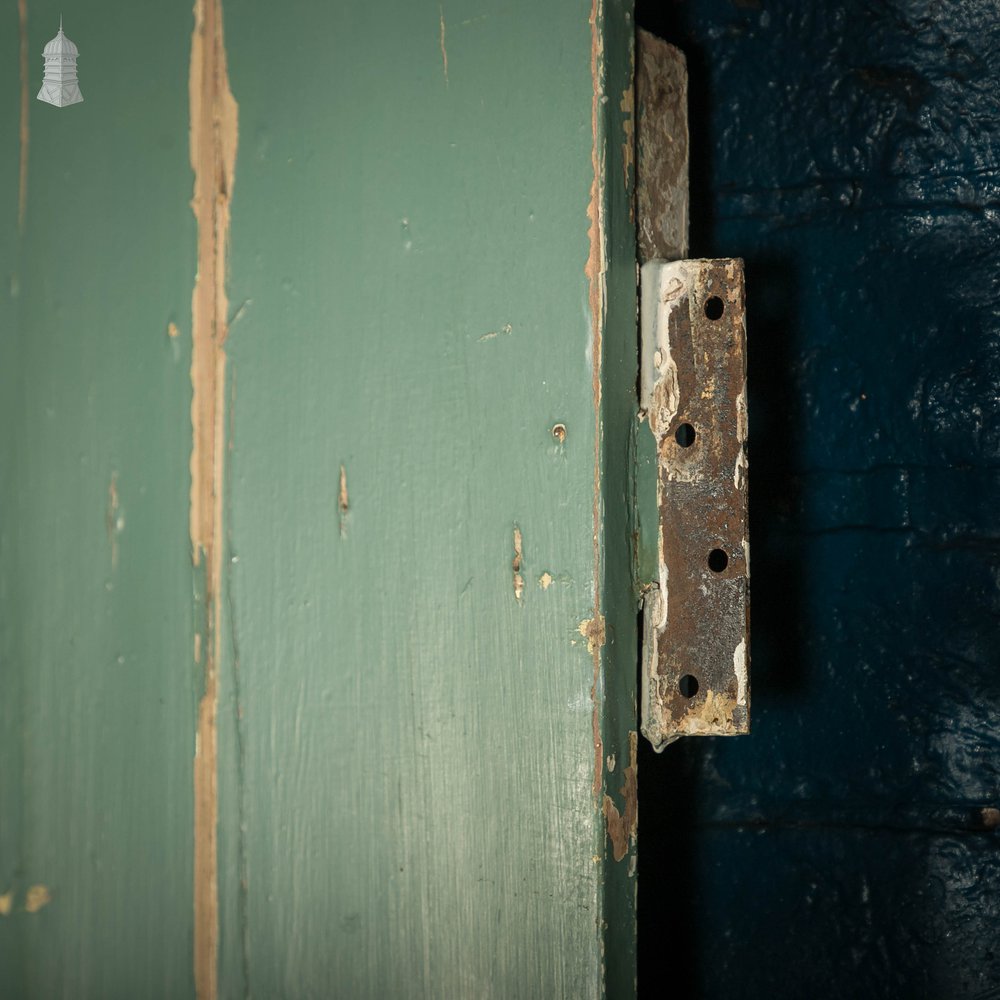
point(696, 660)
point(661, 172)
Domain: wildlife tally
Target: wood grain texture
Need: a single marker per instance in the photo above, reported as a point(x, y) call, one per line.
point(619, 424)
point(411, 744)
point(426, 198)
point(11, 681)
point(96, 677)
point(213, 142)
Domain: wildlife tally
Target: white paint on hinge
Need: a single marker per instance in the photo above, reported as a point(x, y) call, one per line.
point(740, 471)
point(662, 287)
point(740, 669)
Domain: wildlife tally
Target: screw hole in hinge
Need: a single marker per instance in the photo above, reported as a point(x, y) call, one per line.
point(688, 686)
point(717, 560)
point(714, 307)
point(685, 435)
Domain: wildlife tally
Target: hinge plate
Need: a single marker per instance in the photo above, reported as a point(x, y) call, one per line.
point(696, 662)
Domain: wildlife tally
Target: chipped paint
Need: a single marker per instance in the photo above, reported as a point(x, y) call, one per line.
point(665, 398)
point(517, 563)
point(172, 331)
point(545, 581)
point(592, 629)
point(6, 903)
point(621, 826)
point(596, 273)
point(659, 387)
point(493, 334)
point(740, 670)
point(444, 51)
point(693, 374)
point(710, 716)
point(36, 897)
point(343, 501)
point(740, 470)
point(115, 520)
point(238, 315)
point(23, 130)
point(627, 108)
point(213, 140)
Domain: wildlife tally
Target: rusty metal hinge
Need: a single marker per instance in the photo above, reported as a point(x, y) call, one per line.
point(692, 556)
point(695, 670)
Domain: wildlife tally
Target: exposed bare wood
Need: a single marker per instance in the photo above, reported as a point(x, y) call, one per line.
point(213, 136)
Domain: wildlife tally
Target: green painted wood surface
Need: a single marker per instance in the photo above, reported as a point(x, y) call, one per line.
point(406, 751)
point(98, 687)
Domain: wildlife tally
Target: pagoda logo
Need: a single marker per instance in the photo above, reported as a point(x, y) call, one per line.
point(60, 86)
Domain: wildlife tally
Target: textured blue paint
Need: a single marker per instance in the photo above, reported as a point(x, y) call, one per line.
point(851, 153)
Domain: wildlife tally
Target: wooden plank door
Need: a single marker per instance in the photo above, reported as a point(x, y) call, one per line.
point(317, 619)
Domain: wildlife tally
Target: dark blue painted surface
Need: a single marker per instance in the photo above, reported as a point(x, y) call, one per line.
point(851, 153)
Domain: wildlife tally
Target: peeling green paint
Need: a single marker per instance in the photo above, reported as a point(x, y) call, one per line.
point(406, 751)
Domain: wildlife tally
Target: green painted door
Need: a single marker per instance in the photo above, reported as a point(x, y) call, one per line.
point(317, 624)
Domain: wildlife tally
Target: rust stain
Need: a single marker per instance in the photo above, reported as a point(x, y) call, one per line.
point(517, 562)
point(702, 502)
point(22, 185)
point(444, 51)
point(172, 331)
point(661, 149)
point(627, 107)
point(213, 140)
point(36, 897)
point(621, 826)
point(595, 272)
point(343, 501)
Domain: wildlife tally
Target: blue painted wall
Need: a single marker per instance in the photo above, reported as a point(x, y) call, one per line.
point(851, 153)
